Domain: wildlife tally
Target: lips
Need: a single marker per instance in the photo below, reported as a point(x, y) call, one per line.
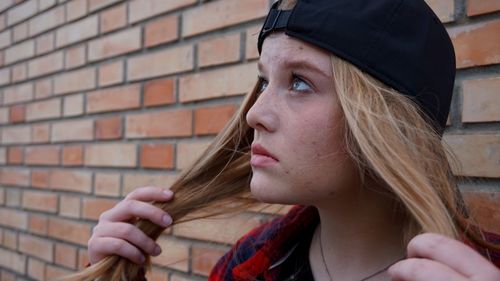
point(258, 149)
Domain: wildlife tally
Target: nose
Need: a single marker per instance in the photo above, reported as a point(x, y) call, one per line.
point(262, 115)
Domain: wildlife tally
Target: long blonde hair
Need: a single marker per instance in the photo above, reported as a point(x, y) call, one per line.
point(387, 135)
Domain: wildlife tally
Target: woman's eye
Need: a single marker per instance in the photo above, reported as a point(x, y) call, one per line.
point(262, 84)
point(300, 85)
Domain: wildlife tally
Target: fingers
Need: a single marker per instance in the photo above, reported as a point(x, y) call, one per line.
point(415, 269)
point(108, 246)
point(128, 209)
point(450, 252)
point(150, 193)
point(129, 233)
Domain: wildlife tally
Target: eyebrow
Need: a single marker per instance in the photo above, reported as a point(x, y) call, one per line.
point(298, 64)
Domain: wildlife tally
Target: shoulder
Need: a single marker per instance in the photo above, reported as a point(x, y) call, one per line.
point(256, 248)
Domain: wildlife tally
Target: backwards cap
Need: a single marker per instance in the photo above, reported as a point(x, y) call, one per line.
point(400, 42)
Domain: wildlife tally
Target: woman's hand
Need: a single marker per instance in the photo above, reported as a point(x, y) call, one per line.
point(114, 236)
point(439, 258)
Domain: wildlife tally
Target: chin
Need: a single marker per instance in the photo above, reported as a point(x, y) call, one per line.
point(272, 193)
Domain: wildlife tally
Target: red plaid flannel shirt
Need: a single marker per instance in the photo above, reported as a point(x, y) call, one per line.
point(269, 244)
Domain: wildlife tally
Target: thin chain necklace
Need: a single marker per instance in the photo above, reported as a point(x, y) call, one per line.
point(366, 278)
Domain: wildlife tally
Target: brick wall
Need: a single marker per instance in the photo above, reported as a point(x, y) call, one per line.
point(99, 97)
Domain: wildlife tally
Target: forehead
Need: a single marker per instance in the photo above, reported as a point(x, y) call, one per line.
point(279, 48)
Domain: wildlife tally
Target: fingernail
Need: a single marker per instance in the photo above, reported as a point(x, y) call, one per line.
point(168, 193)
point(167, 220)
point(157, 251)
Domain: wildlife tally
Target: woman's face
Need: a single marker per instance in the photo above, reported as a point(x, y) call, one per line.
point(298, 120)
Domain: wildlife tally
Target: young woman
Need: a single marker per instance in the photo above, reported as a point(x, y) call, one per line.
point(344, 123)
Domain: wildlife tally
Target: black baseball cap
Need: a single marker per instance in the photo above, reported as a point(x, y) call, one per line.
point(400, 42)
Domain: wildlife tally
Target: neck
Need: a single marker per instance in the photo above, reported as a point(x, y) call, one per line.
point(358, 231)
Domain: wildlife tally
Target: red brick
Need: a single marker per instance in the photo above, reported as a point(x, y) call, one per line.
point(220, 14)
point(176, 123)
point(94, 207)
point(107, 184)
point(219, 50)
point(77, 80)
point(77, 31)
point(480, 100)
point(38, 224)
point(47, 109)
point(21, 51)
point(37, 247)
point(75, 57)
point(143, 9)
point(115, 44)
point(444, 9)
point(45, 4)
point(5, 76)
point(5, 38)
point(476, 44)
point(10, 239)
point(70, 206)
point(14, 218)
point(17, 177)
point(55, 273)
point(159, 92)
point(43, 88)
point(158, 156)
point(70, 130)
point(76, 9)
point(111, 155)
point(175, 254)
point(227, 230)
point(70, 231)
point(483, 207)
point(21, 12)
point(131, 181)
point(230, 81)
point(114, 18)
point(12, 261)
point(71, 181)
point(4, 115)
point(109, 128)
point(19, 72)
point(66, 255)
point(48, 20)
point(73, 105)
point(45, 43)
point(161, 31)
point(478, 7)
point(40, 201)
point(157, 275)
point(83, 259)
point(36, 269)
point(18, 93)
point(40, 179)
point(20, 32)
point(41, 133)
point(478, 154)
point(111, 73)
point(212, 119)
point(99, 4)
point(17, 113)
point(13, 197)
point(204, 259)
point(16, 135)
point(42, 155)
point(73, 155)
point(47, 64)
point(120, 98)
point(154, 64)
